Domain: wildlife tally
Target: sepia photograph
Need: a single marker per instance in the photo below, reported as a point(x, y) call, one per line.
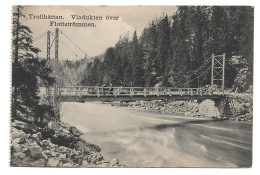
point(132, 86)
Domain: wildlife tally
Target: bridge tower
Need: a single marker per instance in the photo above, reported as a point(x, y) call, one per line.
point(48, 45)
point(218, 70)
point(56, 86)
point(56, 44)
point(48, 64)
point(55, 99)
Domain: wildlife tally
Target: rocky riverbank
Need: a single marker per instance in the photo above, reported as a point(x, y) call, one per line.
point(186, 108)
point(240, 107)
point(56, 145)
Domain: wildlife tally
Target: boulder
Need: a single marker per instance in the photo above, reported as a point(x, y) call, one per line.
point(38, 163)
point(66, 131)
point(53, 162)
point(15, 161)
point(99, 157)
point(25, 149)
point(16, 148)
point(75, 132)
point(52, 145)
point(22, 140)
point(18, 134)
point(47, 133)
point(26, 161)
point(25, 127)
point(53, 125)
point(35, 151)
point(83, 146)
point(68, 164)
point(78, 160)
point(44, 156)
point(50, 153)
point(63, 139)
point(114, 162)
point(19, 155)
point(85, 163)
point(63, 149)
point(46, 143)
point(53, 154)
point(62, 156)
point(104, 164)
point(37, 136)
point(15, 141)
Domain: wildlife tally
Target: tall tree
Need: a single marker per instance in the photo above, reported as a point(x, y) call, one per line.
point(149, 44)
point(28, 72)
point(163, 54)
point(137, 63)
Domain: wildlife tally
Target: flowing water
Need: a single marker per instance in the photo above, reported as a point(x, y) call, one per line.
point(140, 138)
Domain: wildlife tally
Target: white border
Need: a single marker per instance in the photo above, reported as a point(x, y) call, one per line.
point(5, 92)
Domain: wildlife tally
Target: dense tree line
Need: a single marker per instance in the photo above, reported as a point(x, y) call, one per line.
point(172, 49)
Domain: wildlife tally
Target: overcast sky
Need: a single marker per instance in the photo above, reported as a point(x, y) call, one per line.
point(93, 41)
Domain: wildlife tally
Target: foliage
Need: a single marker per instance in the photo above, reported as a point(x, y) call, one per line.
point(28, 72)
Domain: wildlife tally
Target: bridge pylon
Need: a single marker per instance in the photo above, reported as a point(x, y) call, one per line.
point(48, 45)
point(218, 70)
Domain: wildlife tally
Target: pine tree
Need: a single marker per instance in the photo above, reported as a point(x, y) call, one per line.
point(28, 71)
point(149, 46)
point(137, 63)
point(164, 43)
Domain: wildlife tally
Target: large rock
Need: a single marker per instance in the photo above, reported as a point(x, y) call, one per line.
point(37, 136)
point(62, 156)
point(63, 149)
point(50, 153)
point(15, 141)
point(85, 163)
point(53, 125)
point(16, 148)
point(64, 139)
point(25, 127)
point(38, 163)
point(18, 134)
point(68, 164)
point(15, 161)
point(44, 156)
point(53, 162)
point(19, 155)
point(114, 162)
point(74, 131)
point(83, 146)
point(78, 160)
point(46, 143)
point(35, 151)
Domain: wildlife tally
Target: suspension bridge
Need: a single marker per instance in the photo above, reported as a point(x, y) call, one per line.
point(213, 66)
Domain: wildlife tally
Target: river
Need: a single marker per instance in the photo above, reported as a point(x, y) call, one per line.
point(140, 138)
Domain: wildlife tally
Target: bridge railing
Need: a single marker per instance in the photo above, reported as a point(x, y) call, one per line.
point(134, 91)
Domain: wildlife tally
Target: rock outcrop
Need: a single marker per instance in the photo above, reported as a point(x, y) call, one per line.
point(56, 145)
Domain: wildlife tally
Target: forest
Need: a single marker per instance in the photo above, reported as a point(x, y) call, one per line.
point(171, 50)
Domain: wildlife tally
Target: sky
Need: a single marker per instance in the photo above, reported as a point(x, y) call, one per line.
point(92, 40)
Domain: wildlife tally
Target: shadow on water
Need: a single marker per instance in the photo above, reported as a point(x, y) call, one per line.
point(160, 127)
point(182, 124)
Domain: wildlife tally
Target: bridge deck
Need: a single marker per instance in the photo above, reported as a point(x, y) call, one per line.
point(92, 93)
